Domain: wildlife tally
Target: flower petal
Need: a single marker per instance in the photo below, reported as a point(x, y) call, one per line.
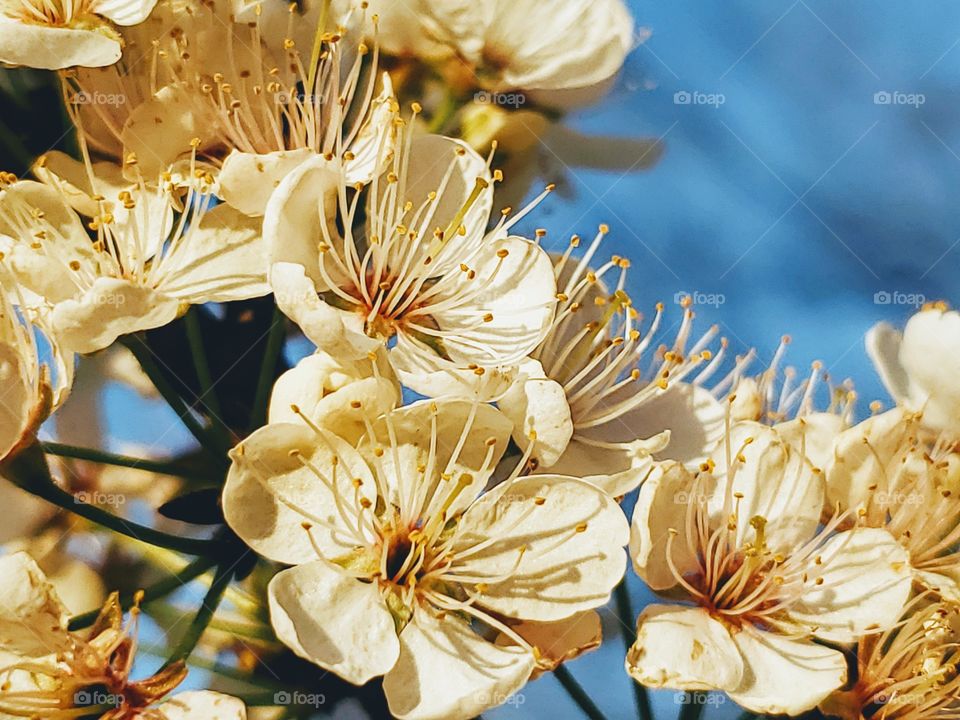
point(125, 12)
point(539, 405)
point(447, 671)
point(883, 343)
point(782, 676)
point(334, 620)
point(930, 355)
point(866, 582)
point(109, 309)
point(47, 47)
point(560, 640)
point(222, 259)
point(374, 143)
point(269, 494)
point(685, 649)
point(661, 511)
point(33, 621)
point(248, 180)
point(558, 542)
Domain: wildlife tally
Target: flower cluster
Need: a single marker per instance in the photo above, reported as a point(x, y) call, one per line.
point(417, 485)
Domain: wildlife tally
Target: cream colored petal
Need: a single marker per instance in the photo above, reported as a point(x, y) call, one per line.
point(883, 346)
point(333, 330)
point(561, 640)
point(159, 130)
point(423, 371)
point(411, 429)
point(374, 144)
point(125, 12)
point(334, 620)
point(814, 436)
point(448, 672)
point(70, 178)
point(334, 395)
point(783, 676)
point(202, 705)
point(47, 47)
point(247, 180)
point(222, 259)
point(538, 405)
point(19, 397)
point(930, 355)
point(661, 512)
point(46, 270)
point(866, 582)
point(303, 204)
point(559, 542)
point(947, 584)
point(685, 649)
point(777, 484)
point(269, 494)
point(577, 44)
point(505, 320)
point(33, 621)
point(864, 458)
point(109, 309)
point(615, 468)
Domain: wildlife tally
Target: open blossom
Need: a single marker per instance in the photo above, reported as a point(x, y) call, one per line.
point(908, 672)
point(404, 567)
point(262, 91)
point(596, 398)
point(920, 367)
point(885, 476)
point(577, 45)
point(421, 274)
point(51, 672)
point(150, 255)
point(54, 34)
point(740, 541)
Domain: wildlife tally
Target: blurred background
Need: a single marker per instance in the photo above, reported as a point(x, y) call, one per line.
point(807, 185)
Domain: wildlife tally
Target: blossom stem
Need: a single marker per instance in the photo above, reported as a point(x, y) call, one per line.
point(208, 609)
point(268, 368)
point(156, 591)
point(207, 394)
point(29, 471)
point(138, 346)
point(577, 693)
point(106, 458)
point(628, 633)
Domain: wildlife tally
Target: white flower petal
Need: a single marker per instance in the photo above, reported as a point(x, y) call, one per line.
point(559, 540)
point(883, 346)
point(375, 141)
point(616, 469)
point(782, 676)
point(685, 649)
point(125, 12)
point(866, 583)
point(248, 180)
point(537, 404)
point(661, 510)
point(506, 319)
point(47, 47)
point(560, 640)
point(334, 620)
point(33, 621)
point(448, 672)
point(222, 259)
point(813, 436)
point(269, 494)
point(109, 309)
point(326, 391)
point(428, 374)
point(930, 355)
